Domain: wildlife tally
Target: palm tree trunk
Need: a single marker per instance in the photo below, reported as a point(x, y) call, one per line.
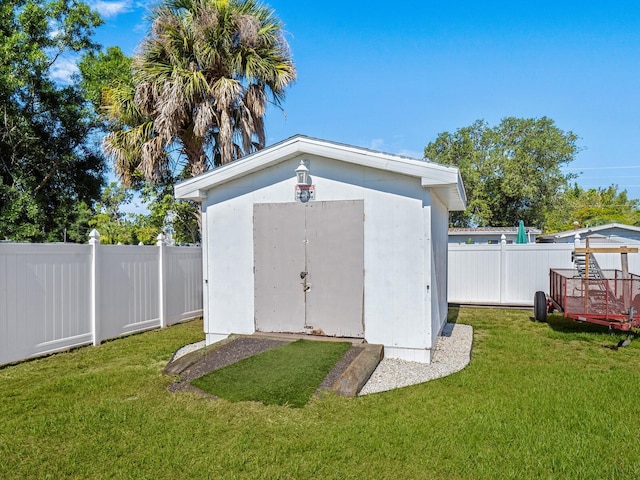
point(196, 156)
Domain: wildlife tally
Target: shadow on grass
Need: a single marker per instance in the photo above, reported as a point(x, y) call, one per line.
point(581, 330)
point(563, 324)
point(453, 312)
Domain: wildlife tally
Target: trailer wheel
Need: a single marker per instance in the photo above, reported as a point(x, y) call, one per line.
point(540, 306)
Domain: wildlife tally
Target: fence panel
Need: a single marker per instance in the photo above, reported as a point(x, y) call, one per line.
point(44, 299)
point(129, 296)
point(510, 274)
point(184, 284)
point(474, 274)
point(608, 261)
point(46, 293)
point(526, 269)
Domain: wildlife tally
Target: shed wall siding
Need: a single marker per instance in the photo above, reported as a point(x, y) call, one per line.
point(439, 260)
point(396, 310)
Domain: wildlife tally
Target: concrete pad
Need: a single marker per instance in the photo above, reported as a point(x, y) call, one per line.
point(304, 336)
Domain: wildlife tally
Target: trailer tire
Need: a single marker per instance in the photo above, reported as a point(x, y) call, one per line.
point(540, 306)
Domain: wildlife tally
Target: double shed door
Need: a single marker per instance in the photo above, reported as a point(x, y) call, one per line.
point(309, 267)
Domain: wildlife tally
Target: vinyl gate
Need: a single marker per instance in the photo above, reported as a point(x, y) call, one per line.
point(309, 267)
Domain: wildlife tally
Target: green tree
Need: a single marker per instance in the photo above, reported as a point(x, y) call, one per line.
point(114, 196)
point(203, 78)
point(48, 165)
point(79, 229)
point(102, 70)
point(166, 214)
point(177, 219)
point(112, 223)
point(112, 71)
point(593, 207)
point(511, 172)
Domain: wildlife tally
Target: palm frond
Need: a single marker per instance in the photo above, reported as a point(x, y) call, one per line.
point(204, 119)
point(204, 75)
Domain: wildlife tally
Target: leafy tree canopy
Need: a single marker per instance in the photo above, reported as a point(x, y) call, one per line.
point(202, 80)
point(47, 163)
point(511, 172)
point(177, 219)
point(194, 96)
point(103, 70)
point(593, 207)
point(102, 73)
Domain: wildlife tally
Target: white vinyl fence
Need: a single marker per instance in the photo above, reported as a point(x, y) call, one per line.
point(510, 274)
point(58, 296)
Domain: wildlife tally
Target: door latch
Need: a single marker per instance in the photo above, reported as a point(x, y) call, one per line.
point(305, 286)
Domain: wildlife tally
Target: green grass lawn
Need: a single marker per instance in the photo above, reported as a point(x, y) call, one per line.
point(537, 401)
point(287, 375)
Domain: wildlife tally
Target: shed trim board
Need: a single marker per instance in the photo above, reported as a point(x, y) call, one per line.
point(432, 175)
point(403, 204)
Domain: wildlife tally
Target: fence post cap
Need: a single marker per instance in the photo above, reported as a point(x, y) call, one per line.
point(503, 238)
point(161, 239)
point(141, 244)
point(94, 236)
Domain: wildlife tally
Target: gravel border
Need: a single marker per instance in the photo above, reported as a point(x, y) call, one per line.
point(192, 347)
point(451, 354)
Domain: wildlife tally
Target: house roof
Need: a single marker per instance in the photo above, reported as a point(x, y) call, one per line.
point(446, 180)
point(589, 230)
point(492, 231)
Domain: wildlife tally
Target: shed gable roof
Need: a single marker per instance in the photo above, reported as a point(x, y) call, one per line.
point(445, 179)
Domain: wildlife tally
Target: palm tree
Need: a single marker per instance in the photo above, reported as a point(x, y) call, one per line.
point(201, 81)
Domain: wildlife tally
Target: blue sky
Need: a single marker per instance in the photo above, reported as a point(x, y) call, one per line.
point(393, 75)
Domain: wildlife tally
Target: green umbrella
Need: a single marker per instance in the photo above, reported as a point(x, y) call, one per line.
point(522, 234)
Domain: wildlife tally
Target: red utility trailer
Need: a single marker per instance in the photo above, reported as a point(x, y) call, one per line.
point(590, 294)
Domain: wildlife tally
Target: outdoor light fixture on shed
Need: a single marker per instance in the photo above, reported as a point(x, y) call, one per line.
point(302, 174)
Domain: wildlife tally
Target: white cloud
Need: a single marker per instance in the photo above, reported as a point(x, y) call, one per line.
point(376, 144)
point(410, 153)
point(63, 70)
point(111, 9)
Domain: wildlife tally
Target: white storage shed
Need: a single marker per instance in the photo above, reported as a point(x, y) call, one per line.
point(310, 236)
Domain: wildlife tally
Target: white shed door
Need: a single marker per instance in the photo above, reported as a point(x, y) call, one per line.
point(309, 267)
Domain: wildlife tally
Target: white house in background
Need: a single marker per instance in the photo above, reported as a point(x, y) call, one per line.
point(609, 233)
point(316, 237)
point(490, 235)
